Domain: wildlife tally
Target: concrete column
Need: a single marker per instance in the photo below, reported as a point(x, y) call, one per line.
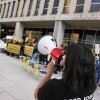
point(20, 8)
point(2, 10)
point(61, 6)
point(33, 7)
point(15, 8)
point(50, 7)
point(19, 29)
point(73, 6)
point(59, 30)
point(27, 7)
point(87, 6)
point(41, 7)
point(10, 10)
point(5, 13)
point(0, 30)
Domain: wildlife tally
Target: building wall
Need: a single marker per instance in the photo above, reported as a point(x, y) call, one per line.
point(20, 8)
point(43, 13)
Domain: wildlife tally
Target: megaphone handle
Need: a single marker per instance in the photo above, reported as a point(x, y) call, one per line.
point(53, 62)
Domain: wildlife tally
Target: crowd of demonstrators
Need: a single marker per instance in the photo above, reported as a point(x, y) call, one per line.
point(36, 57)
point(11, 41)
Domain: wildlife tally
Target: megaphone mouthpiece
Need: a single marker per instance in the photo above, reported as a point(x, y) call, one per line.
point(56, 54)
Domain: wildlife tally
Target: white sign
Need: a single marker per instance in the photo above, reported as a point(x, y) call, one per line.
point(2, 44)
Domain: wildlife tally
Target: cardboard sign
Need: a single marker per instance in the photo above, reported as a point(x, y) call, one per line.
point(26, 64)
point(13, 48)
point(36, 70)
point(22, 58)
point(28, 50)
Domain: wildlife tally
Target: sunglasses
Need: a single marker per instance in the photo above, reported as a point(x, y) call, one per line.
point(97, 55)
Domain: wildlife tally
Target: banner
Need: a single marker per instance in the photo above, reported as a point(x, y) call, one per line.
point(26, 64)
point(13, 48)
point(28, 50)
point(22, 58)
point(2, 44)
point(36, 70)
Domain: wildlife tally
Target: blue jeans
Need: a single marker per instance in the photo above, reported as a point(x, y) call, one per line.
point(35, 57)
point(98, 75)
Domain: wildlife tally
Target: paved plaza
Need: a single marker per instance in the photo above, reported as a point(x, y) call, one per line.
point(17, 84)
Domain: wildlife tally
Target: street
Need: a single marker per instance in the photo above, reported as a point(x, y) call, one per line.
point(16, 83)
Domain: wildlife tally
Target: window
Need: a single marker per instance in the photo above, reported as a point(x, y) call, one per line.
point(69, 32)
point(97, 39)
point(37, 7)
point(95, 6)
point(79, 6)
point(66, 6)
point(72, 36)
point(80, 2)
point(12, 8)
point(95, 1)
point(46, 7)
point(55, 7)
point(89, 36)
point(23, 9)
point(50, 31)
point(67, 36)
point(17, 7)
point(86, 37)
point(30, 8)
point(0, 7)
point(8, 9)
point(4, 10)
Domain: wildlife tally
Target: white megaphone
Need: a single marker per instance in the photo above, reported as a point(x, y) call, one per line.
point(48, 45)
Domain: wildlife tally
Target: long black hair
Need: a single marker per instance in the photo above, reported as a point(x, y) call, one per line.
point(79, 72)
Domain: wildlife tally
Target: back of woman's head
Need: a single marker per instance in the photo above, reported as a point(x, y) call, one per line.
point(79, 72)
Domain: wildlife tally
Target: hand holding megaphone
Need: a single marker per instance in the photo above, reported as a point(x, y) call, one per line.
point(48, 45)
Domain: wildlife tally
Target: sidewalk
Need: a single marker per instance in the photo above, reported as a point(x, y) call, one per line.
point(15, 82)
point(18, 84)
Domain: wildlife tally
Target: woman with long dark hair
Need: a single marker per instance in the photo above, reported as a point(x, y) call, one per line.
point(78, 81)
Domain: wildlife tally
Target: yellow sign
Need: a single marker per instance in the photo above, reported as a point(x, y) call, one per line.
point(75, 37)
point(28, 50)
point(36, 70)
point(13, 48)
point(26, 64)
point(22, 58)
point(17, 39)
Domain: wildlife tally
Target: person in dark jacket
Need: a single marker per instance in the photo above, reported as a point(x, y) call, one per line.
point(78, 80)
